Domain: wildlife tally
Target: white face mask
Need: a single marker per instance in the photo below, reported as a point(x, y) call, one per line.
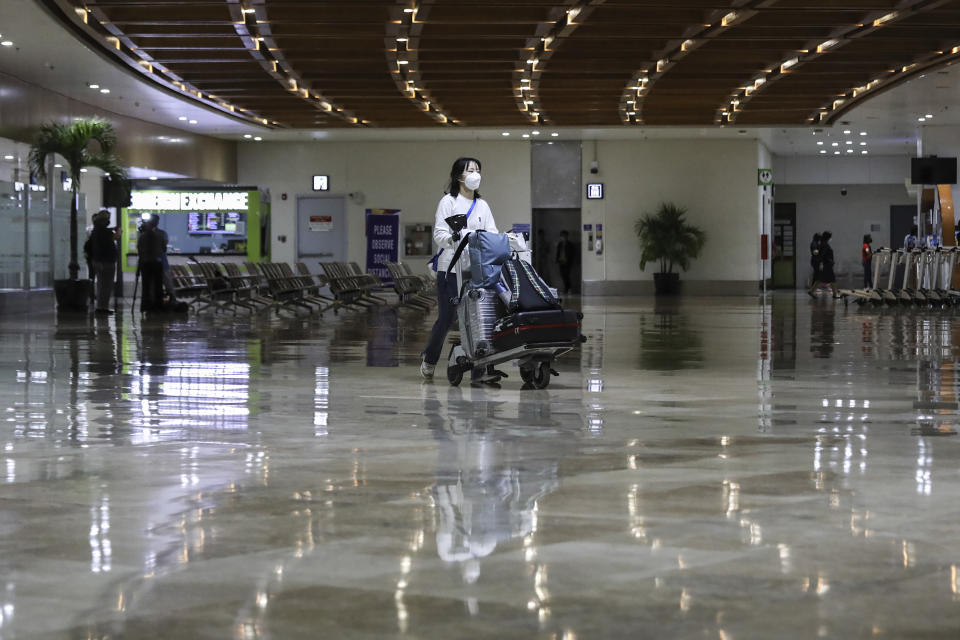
point(472, 181)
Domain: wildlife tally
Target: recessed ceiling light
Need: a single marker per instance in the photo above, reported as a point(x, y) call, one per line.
point(849, 150)
point(6, 43)
point(193, 122)
point(535, 132)
point(104, 90)
point(846, 132)
point(864, 152)
point(505, 134)
point(94, 86)
point(863, 133)
point(258, 138)
point(83, 170)
point(836, 153)
point(247, 136)
point(819, 142)
point(928, 116)
point(834, 144)
point(823, 150)
point(863, 144)
point(526, 135)
point(554, 134)
point(182, 118)
point(849, 141)
point(921, 119)
point(58, 166)
point(8, 157)
point(152, 178)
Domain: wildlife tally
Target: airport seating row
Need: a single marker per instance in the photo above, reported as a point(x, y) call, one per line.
point(279, 286)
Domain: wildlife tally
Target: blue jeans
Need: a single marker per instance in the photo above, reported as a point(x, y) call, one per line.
point(446, 289)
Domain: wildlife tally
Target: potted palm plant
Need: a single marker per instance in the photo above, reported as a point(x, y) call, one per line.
point(668, 239)
point(82, 143)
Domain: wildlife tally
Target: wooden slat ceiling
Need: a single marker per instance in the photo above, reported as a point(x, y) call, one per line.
point(416, 63)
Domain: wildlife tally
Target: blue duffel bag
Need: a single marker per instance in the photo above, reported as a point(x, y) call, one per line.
point(488, 253)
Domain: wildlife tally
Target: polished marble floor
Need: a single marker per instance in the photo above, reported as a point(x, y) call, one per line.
point(708, 468)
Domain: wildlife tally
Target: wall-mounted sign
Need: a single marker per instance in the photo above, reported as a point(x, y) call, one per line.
point(320, 223)
point(764, 177)
point(595, 191)
point(189, 200)
point(321, 183)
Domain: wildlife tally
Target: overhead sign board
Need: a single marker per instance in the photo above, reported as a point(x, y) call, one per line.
point(189, 200)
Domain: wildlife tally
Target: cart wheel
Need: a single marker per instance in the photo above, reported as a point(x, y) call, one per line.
point(455, 375)
point(541, 376)
point(526, 374)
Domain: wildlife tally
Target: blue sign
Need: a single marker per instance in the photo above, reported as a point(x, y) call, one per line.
point(383, 236)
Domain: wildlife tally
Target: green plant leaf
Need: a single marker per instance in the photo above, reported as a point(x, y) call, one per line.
point(667, 238)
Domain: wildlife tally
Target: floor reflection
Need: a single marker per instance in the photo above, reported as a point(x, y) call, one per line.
point(285, 477)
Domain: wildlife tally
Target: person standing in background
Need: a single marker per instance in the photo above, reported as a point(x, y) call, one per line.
point(910, 240)
point(866, 257)
point(151, 247)
point(564, 259)
point(103, 259)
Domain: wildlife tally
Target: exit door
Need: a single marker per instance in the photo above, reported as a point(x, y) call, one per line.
point(321, 229)
point(784, 268)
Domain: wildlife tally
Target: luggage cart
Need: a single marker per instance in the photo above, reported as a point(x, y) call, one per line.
point(478, 310)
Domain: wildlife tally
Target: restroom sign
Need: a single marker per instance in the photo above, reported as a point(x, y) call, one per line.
point(765, 177)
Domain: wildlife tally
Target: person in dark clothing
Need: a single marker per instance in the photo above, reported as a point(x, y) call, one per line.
point(564, 259)
point(866, 257)
point(815, 263)
point(825, 255)
point(103, 259)
point(151, 247)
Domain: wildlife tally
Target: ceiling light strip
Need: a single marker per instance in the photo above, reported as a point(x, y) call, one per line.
point(253, 27)
point(696, 36)
point(728, 111)
point(830, 112)
point(92, 20)
point(401, 44)
point(539, 49)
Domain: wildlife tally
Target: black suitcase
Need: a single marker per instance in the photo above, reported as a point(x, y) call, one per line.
point(537, 327)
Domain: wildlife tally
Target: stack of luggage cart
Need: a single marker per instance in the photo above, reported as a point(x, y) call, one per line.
point(910, 276)
point(506, 313)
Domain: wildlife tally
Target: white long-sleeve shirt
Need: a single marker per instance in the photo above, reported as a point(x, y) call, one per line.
point(481, 218)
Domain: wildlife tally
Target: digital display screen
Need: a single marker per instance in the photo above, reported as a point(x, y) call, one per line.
point(213, 222)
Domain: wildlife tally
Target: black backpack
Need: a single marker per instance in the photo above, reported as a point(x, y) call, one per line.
point(528, 291)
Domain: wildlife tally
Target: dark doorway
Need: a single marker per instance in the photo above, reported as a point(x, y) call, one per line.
point(901, 220)
point(547, 225)
point(784, 265)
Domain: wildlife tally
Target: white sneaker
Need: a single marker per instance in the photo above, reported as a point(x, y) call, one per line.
point(426, 369)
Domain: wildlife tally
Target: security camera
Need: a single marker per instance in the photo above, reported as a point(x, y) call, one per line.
point(843, 191)
point(594, 167)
